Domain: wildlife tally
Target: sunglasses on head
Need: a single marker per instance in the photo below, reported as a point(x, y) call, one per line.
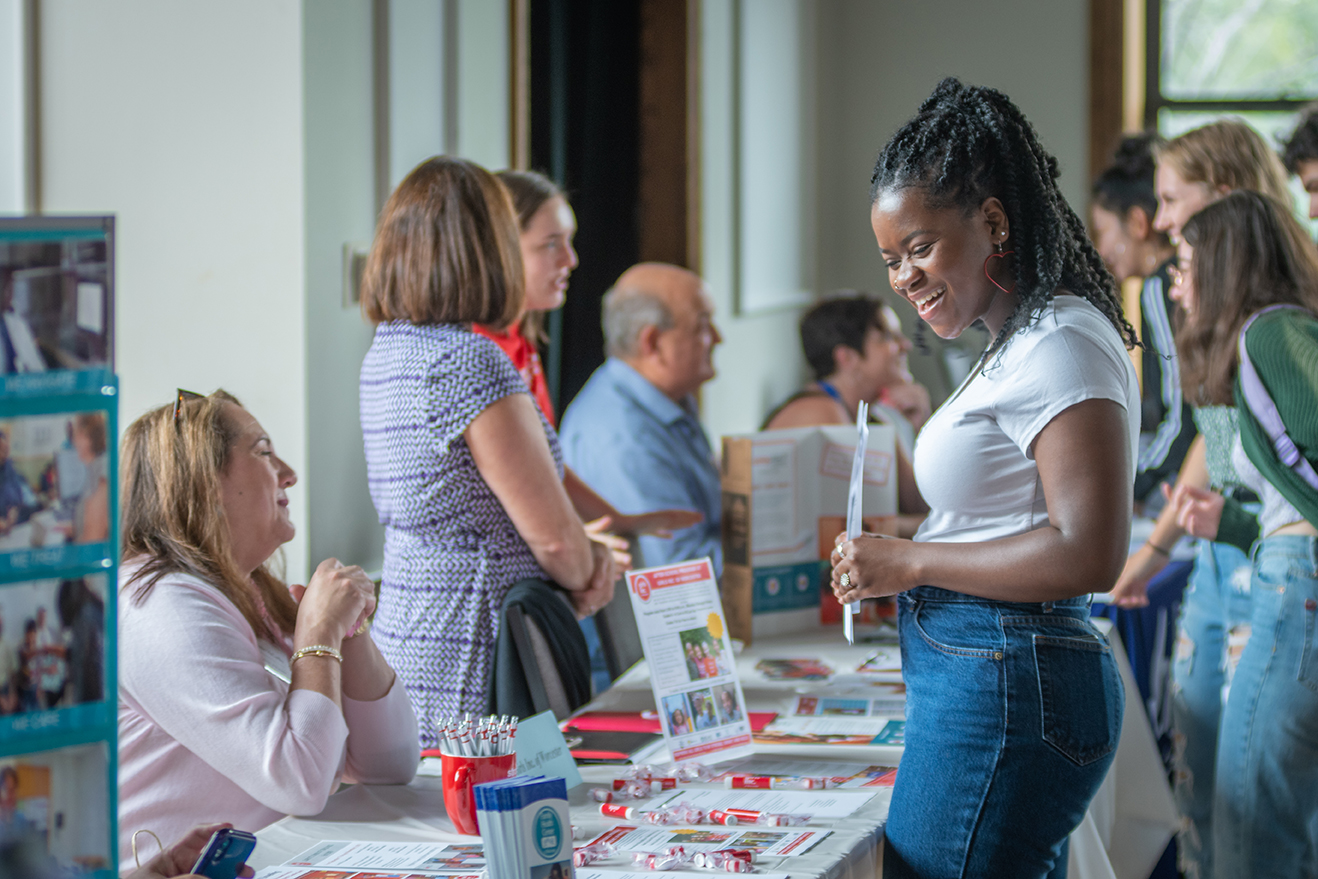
point(179, 397)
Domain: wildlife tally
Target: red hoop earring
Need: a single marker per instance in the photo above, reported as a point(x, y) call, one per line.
point(999, 255)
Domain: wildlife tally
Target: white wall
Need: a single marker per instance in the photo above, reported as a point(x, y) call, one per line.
point(13, 108)
point(876, 62)
point(482, 88)
point(880, 66)
point(759, 362)
point(338, 119)
point(234, 143)
point(184, 119)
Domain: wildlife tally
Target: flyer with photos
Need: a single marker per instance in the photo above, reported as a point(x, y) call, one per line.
point(342, 859)
point(692, 669)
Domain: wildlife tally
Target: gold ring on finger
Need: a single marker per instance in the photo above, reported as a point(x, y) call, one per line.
point(845, 580)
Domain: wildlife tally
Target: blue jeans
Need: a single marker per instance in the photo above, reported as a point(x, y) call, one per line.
point(1216, 603)
point(1265, 814)
point(1013, 714)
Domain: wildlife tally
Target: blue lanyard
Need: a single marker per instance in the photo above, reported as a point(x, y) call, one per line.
point(832, 392)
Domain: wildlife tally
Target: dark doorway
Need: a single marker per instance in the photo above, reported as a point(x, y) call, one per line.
point(609, 122)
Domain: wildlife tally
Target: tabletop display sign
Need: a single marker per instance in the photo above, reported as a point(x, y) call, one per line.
point(58, 539)
point(692, 669)
point(785, 500)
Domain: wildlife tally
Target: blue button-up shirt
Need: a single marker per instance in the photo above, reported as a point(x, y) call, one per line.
point(641, 452)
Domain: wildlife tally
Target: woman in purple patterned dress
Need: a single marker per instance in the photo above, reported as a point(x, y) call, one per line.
point(464, 470)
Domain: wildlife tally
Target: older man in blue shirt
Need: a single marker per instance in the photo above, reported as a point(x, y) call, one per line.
point(632, 433)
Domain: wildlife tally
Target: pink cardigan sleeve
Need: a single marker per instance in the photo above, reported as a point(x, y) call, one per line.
point(383, 744)
point(191, 663)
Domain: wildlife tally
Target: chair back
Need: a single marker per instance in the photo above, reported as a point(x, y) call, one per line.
point(620, 640)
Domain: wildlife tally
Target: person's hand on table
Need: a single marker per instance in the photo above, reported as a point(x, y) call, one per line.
point(179, 859)
point(659, 523)
point(599, 590)
point(870, 566)
point(599, 531)
point(1198, 511)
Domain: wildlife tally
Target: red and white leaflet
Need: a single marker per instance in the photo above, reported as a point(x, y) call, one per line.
point(692, 670)
point(764, 841)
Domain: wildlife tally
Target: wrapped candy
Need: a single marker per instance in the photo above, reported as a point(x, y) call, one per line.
point(664, 861)
point(692, 771)
point(686, 813)
point(593, 853)
point(729, 860)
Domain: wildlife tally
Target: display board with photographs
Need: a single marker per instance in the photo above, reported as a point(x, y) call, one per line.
point(58, 544)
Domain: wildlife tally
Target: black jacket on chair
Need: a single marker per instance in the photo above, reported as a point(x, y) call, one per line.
point(541, 661)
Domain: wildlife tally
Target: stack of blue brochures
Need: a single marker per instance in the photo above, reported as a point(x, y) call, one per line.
point(524, 825)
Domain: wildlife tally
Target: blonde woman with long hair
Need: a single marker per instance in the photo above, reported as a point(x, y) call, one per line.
point(241, 699)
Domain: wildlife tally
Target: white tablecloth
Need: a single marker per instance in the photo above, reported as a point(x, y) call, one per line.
point(1123, 834)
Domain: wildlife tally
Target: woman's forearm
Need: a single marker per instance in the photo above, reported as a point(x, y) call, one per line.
point(366, 675)
point(509, 449)
point(321, 674)
point(585, 501)
point(1040, 565)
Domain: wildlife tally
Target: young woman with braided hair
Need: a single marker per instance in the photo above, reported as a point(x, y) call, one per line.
point(1014, 703)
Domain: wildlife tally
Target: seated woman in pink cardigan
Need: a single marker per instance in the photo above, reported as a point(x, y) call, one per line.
point(240, 699)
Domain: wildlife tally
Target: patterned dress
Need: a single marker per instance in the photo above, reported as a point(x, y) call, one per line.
point(450, 550)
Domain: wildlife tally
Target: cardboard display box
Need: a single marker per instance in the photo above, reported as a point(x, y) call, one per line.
point(784, 501)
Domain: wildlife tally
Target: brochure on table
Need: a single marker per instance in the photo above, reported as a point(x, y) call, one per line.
point(766, 842)
point(822, 806)
point(394, 857)
point(58, 536)
point(693, 673)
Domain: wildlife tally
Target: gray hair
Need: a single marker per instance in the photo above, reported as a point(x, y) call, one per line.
point(627, 311)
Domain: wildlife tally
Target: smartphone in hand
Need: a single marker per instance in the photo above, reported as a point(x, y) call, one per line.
point(225, 854)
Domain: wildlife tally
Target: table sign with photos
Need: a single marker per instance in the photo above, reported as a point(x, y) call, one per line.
point(58, 538)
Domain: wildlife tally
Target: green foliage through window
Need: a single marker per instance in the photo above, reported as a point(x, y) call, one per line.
point(1234, 50)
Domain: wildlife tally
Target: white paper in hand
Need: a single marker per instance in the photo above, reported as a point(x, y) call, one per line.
point(854, 505)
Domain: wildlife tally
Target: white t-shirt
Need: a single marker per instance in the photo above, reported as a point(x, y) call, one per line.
point(973, 459)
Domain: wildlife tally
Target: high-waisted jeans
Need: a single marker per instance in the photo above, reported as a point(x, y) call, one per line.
point(1265, 812)
point(1012, 719)
point(1214, 616)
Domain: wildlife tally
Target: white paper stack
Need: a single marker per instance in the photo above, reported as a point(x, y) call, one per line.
point(525, 827)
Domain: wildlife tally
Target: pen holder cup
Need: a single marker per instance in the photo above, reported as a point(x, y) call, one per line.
point(460, 773)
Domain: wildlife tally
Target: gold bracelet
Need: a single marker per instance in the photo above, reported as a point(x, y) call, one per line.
point(316, 650)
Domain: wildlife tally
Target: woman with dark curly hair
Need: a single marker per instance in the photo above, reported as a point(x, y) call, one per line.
point(1014, 702)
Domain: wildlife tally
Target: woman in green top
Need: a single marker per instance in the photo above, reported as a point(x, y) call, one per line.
point(1249, 283)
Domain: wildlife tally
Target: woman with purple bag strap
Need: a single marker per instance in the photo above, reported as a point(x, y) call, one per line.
point(1248, 281)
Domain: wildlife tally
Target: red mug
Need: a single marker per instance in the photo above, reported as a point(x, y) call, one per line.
point(460, 773)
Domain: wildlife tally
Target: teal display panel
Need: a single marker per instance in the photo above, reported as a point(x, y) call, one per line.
point(58, 540)
point(786, 587)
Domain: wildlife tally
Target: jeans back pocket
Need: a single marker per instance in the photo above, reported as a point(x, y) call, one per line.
point(1080, 694)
